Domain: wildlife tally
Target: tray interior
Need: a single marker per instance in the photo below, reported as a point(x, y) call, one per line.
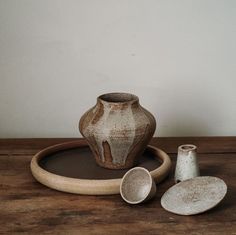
point(80, 163)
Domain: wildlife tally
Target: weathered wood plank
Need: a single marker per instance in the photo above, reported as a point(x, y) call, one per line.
point(169, 144)
point(27, 207)
point(204, 144)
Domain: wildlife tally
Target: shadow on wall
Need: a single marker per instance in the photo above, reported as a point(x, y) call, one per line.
point(186, 126)
point(192, 117)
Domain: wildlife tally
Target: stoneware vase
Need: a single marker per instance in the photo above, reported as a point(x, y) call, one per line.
point(117, 130)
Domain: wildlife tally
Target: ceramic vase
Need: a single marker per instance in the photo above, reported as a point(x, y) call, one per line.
point(117, 130)
point(187, 164)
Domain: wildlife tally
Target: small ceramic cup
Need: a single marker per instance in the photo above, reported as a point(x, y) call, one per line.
point(187, 164)
point(137, 185)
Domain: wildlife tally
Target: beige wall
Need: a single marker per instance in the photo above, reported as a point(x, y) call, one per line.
point(56, 57)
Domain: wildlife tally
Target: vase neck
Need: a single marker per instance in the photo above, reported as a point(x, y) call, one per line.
point(118, 100)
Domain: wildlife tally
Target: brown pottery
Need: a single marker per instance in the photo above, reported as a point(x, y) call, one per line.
point(117, 130)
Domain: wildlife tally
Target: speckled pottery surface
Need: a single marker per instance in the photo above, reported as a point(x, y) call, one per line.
point(194, 196)
point(117, 129)
point(187, 164)
point(137, 186)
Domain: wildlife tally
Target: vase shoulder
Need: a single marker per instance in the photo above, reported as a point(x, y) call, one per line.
point(102, 120)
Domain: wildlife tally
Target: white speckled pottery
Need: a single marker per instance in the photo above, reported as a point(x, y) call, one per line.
point(117, 130)
point(137, 186)
point(187, 164)
point(194, 196)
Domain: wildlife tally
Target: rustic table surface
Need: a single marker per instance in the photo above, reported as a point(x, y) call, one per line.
point(27, 207)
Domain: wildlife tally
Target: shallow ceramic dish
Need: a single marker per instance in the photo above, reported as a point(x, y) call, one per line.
point(70, 167)
point(194, 196)
point(137, 186)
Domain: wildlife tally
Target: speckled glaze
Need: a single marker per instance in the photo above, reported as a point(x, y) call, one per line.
point(187, 164)
point(194, 196)
point(137, 185)
point(117, 129)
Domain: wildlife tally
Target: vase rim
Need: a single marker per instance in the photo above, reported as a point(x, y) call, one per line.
point(118, 98)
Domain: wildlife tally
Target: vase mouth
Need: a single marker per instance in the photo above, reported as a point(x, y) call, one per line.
point(118, 98)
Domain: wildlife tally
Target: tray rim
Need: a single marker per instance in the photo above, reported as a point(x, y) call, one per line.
point(89, 186)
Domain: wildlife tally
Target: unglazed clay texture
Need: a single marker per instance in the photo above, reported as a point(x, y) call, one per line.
point(117, 129)
point(194, 196)
point(57, 177)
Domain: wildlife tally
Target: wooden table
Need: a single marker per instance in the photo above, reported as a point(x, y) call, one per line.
point(27, 207)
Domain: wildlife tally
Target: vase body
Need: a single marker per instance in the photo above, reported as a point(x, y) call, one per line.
point(117, 130)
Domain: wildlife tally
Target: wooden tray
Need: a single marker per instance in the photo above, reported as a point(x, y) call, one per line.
point(70, 167)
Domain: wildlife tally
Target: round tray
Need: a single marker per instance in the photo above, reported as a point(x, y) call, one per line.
point(70, 167)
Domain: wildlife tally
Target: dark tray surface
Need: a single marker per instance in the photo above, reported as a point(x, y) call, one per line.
point(80, 163)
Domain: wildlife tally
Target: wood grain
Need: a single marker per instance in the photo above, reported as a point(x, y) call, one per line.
point(27, 207)
point(168, 144)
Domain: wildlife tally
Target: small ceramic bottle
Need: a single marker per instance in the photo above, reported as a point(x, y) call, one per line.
point(187, 164)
